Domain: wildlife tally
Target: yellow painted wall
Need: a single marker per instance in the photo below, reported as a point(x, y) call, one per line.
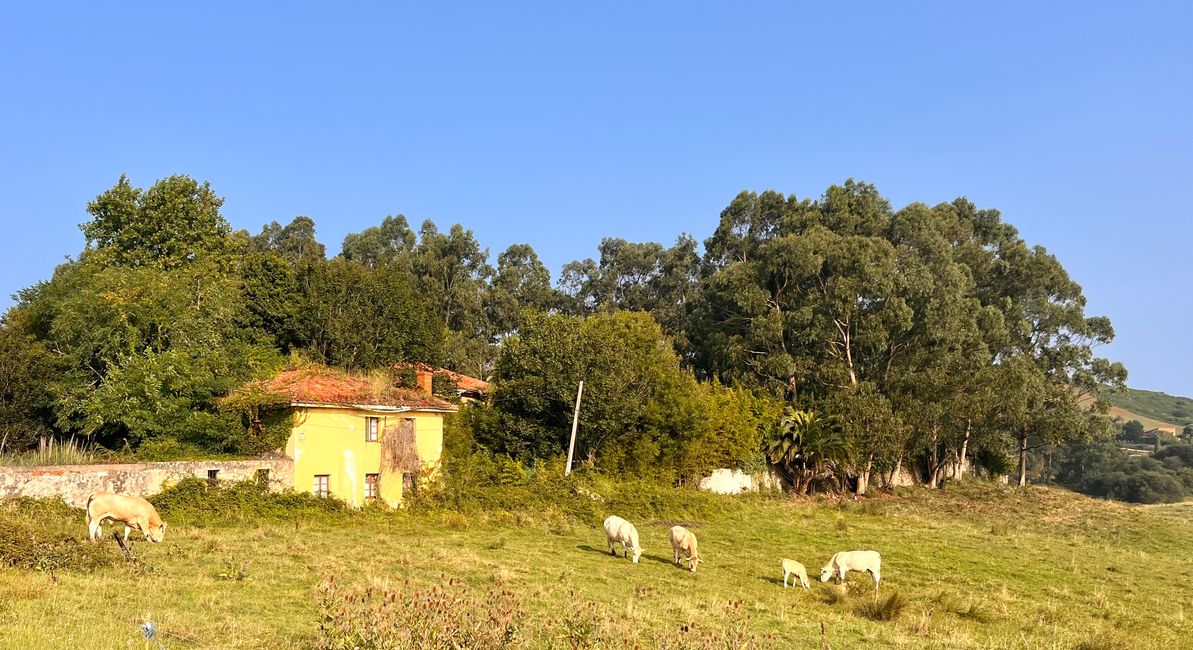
point(332, 441)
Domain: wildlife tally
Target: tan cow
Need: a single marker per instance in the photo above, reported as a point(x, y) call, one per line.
point(683, 542)
point(133, 512)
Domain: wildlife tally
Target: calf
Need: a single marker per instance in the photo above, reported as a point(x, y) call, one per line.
point(133, 512)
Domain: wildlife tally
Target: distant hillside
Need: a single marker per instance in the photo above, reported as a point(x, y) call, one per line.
point(1151, 408)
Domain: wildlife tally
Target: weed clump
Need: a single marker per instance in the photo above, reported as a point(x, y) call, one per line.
point(883, 608)
point(735, 633)
point(379, 616)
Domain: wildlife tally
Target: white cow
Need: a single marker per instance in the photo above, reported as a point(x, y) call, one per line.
point(133, 512)
point(845, 561)
point(619, 530)
point(683, 541)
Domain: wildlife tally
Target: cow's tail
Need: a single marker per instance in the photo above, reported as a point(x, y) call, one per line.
point(88, 506)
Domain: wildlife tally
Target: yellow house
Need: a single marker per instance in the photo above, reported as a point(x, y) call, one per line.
point(356, 440)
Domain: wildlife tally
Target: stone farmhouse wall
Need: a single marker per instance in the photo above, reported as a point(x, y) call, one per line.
point(74, 483)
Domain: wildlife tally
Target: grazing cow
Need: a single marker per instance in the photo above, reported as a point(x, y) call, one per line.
point(619, 530)
point(133, 512)
point(846, 561)
point(683, 540)
point(793, 568)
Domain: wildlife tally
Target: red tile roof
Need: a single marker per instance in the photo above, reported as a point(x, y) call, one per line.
point(463, 382)
point(328, 386)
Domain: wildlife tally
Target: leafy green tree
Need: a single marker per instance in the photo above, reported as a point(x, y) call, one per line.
point(295, 242)
point(272, 298)
point(146, 351)
point(637, 402)
point(26, 398)
point(872, 428)
point(392, 242)
point(522, 283)
point(1133, 430)
point(173, 223)
point(353, 316)
point(635, 277)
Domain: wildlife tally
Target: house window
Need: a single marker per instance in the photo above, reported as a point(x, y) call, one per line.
point(321, 483)
point(213, 475)
point(409, 483)
point(372, 429)
point(371, 486)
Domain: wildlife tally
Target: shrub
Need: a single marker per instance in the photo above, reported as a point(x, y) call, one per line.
point(48, 535)
point(193, 501)
point(883, 608)
point(379, 616)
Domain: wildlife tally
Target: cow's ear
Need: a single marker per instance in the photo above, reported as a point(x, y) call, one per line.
point(163, 526)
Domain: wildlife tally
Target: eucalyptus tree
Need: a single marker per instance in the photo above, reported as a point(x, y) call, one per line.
point(391, 242)
point(294, 242)
point(521, 283)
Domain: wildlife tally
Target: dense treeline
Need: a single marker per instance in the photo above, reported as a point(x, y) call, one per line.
point(837, 338)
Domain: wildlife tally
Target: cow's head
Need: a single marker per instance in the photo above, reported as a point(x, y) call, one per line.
point(693, 561)
point(156, 533)
point(637, 553)
point(826, 572)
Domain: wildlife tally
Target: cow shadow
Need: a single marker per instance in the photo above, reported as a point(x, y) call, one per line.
point(777, 581)
point(605, 551)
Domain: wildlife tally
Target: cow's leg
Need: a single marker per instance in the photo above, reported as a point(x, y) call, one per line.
point(93, 531)
point(785, 574)
point(126, 532)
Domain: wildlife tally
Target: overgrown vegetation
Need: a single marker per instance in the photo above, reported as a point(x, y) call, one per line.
point(49, 536)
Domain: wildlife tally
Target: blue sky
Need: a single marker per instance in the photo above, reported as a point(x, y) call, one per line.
point(560, 123)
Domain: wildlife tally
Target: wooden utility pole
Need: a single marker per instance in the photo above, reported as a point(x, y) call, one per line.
point(575, 423)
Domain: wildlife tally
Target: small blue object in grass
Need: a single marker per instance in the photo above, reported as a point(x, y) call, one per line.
point(149, 630)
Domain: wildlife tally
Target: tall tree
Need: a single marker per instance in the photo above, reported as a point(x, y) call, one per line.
point(295, 242)
point(173, 223)
point(521, 283)
point(353, 316)
point(392, 242)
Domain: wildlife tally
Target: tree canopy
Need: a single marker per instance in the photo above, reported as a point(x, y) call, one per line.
point(836, 336)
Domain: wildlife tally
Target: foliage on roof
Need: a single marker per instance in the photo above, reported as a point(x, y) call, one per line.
point(316, 384)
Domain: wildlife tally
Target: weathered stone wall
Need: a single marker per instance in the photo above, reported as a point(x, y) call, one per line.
point(735, 481)
point(74, 483)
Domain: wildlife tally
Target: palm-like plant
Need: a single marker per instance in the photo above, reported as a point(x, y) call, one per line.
point(806, 446)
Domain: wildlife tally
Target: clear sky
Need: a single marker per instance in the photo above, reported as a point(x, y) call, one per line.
point(559, 123)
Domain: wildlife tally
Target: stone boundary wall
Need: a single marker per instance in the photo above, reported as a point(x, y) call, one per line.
point(74, 483)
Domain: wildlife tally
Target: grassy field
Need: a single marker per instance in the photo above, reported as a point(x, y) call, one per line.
point(979, 566)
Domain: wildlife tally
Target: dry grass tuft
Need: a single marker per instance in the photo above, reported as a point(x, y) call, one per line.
point(882, 608)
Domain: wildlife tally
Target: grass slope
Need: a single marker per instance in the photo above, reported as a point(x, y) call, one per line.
point(1159, 408)
point(979, 566)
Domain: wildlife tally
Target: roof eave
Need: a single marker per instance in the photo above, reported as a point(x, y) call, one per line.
point(377, 408)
